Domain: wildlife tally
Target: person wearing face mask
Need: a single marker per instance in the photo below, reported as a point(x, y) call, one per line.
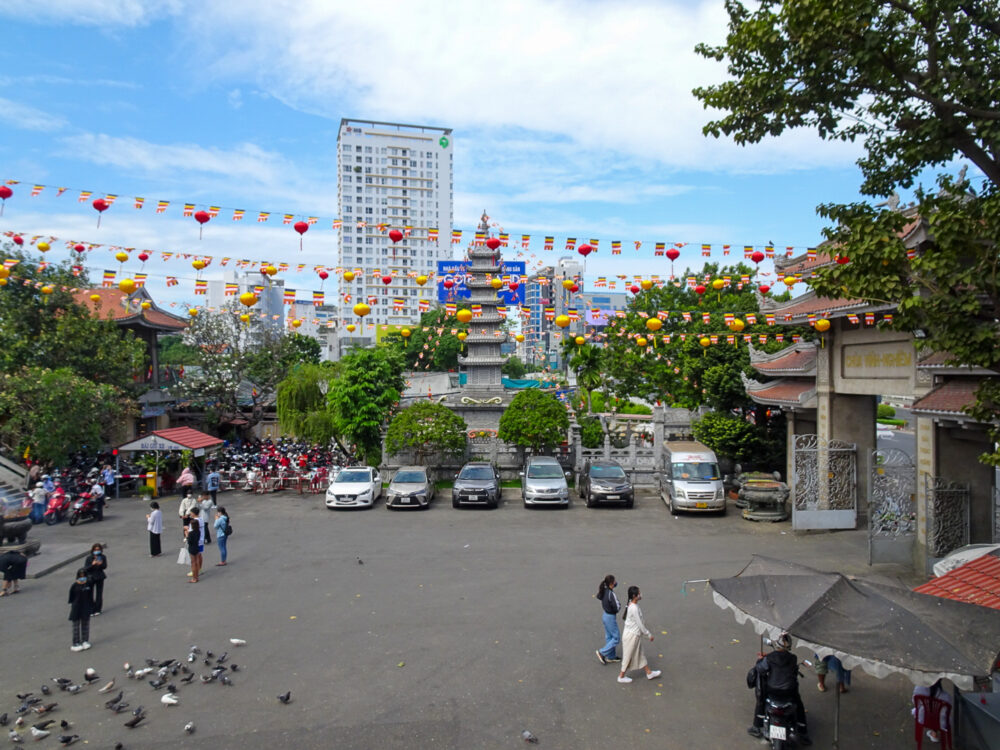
point(81, 603)
point(95, 564)
point(633, 654)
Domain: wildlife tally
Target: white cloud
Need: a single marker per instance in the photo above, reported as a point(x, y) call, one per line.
point(235, 98)
point(90, 12)
point(26, 117)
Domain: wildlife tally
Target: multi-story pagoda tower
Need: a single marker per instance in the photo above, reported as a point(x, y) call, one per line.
point(483, 359)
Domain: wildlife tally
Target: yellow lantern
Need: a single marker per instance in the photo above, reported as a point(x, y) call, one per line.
point(519, 337)
point(562, 321)
point(296, 323)
point(646, 285)
point(361, 309)
point(245, 318)
point(4, 273)
point(121, 256)
point(736, 325)
point(270, 270)
point(95, 297)
point(790, 281)
point(464, 316)
point(350, 327)
point(654, 324)
point(822, 325)
point(717, 284)
point(579, 341)
point(405, 333)
point(421, 279)
point(348, 275)
point(193, 312)
point(47, 289)
point(705, 341)
point(641, 342)
point(462, 335)
point(568, 283)
point(249, 299)
point(496, 283)
point(198, 264)
point(43, 246)
point(146, 304)
point(127, 286)
point(3, 282)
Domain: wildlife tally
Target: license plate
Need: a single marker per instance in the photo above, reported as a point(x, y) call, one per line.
point(777, 733)
point(614, 497)
point(705, 505)
point(404, 500)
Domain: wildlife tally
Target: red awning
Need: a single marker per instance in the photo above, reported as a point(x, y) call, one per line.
point(172, 439)
point(976, 582)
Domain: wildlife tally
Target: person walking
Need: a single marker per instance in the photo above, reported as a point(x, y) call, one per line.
point(154, 525)
point(185, 481)
point(222, 530)
point(633, 654)
point(195, 545)
point(108, 480)
point(81, 602)
point(611, 606)
point(95, 564)
point(212, 483)
point(14, 566)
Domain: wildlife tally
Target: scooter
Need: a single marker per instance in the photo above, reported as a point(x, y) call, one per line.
point(780, 727)
point(59, 505)
point(84, 507)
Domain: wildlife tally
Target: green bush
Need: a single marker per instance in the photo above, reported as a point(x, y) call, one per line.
point(591, 432)
point(885, 411)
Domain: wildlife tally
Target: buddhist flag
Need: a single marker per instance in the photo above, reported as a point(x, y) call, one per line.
point(188, 209)
point(37, 190)
point(550, 243)
point(570, 243)
point(398, 303)
point(525, 241)
point(504, 239)
point(616, 247)
point(140, 279)
point(238, 214)
point(477, 310)
point(231, 290)
point(312, 220)
point(287, 218)
point(525, 311)
point(480, 238)
point(456, 236)
point(601, 282)
point(423, 305)
point(450, 308)
point(289, 296)
point(161, 206)
point(502, 311)
point(140, 202)
point(213, 211)
point(109, 279)
point(706, 250)
point(432, 235)
point(172, 281)
point(550, 313)
point(263, 216)
point(317, 299)
point(84, 196)
point(637, 243)
point(337, 223)
point(595, 244)
point(200, 286)
point(574, 315)
point(811, 253)
point(747, 251)
point(660, 248)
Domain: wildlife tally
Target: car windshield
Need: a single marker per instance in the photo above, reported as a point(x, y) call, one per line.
point(545, 471)
point(607, 472)
point(411, 477)
point(701, 471)
point(349, 475)
point(476, 472)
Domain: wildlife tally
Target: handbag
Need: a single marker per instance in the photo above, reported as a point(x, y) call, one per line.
point(184, 557)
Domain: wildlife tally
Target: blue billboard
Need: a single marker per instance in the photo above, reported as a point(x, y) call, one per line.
point(455, 272)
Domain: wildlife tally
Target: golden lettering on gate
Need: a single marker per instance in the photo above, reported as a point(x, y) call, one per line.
point(879, 359)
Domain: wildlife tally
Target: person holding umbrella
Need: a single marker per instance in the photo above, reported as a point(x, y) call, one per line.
point(778, 676)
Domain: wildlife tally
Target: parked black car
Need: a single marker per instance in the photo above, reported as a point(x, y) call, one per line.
point(605, 482)
point(478, 483)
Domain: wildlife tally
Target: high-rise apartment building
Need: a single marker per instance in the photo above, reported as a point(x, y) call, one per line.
point(392, 177)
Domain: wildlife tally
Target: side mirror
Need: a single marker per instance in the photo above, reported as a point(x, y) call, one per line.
point(520, 473)
point(456, 476)
point(569, 473)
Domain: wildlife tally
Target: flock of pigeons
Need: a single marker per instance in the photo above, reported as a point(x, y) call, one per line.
point(32, 718)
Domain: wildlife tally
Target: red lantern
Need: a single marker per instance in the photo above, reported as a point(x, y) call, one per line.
point(700, 289)
point(585, 250)
point(144, 256)
point(79, 248)
point(202, 217)
point(764, 288)
point(5, 193)
point(395, 235)
point(18, 240)
point(575, 288)
point(447, 283)
point(324, 275)
point(842, 259)
point(387, 279)
point(634, 289)
point(513, 286)
point(673, 253)
point(100, 205)
point(301, 227)
point(492, 243)
point(757, 256)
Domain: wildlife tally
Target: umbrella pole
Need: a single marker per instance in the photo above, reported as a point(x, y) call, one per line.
point(836, 717)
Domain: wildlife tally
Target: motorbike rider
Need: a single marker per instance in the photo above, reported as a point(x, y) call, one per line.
point(777, 676)
point(97, 495)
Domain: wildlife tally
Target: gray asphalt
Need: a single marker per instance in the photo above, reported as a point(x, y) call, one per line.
point(461, 629)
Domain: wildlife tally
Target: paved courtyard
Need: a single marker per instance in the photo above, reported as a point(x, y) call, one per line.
point(461, 629)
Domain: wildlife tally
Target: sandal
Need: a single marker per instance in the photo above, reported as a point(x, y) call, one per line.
point(4, 593)
point(821, 687)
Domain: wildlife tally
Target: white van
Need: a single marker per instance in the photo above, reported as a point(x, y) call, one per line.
point(691, 479)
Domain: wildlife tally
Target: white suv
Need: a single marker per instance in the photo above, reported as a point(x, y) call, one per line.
point(354, 487)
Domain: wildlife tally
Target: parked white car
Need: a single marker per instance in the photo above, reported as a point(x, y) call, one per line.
point(354, 487)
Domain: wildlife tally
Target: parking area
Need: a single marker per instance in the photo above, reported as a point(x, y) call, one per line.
point(445, 628)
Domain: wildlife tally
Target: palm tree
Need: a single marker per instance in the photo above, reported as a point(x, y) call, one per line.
point(588, 363)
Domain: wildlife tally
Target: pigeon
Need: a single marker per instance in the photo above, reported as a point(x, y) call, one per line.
point(19, 722)
point(130, 674)
point(237, 642)
point(169, 699)
point(209, 654)
point(91, 675)
point(218, 670)
point(62, 682)
point(208, 662)
point(32, 701)
point(188, 678)
point(165, 663)
point(14, 736)
point(127, 667)
point(140, 673)
point(73, 689)
point(64, 724)
point(45, 690)
point(134, 722)
point(24, 696)
point(157, 684)
point(68, 739)
point(226, 681)
point(191, 657)
point(189, 727)
point(286, 698)
point(195, 650)
point(39, 734)
point(119, 707)
point(529, 737)
point(119, 746)
point(138, 710)
point(222, 658)
point(174, 669)
point(360, 561)
point(46, 708)
point(108, 688)
point(184, 669)
point(3, 719)
point(23, 709)
point(206, 678)
point(113, 701)
point(171, 688)
point(234, 667)
point(43, 725)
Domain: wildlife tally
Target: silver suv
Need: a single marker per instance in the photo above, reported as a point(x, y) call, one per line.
point(543, 482)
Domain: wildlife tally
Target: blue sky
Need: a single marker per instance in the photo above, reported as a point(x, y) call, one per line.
point(570, 118)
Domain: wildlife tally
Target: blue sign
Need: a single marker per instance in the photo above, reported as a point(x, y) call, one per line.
point(456, 271)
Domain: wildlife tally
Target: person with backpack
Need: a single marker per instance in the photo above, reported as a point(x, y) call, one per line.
point(222, 533)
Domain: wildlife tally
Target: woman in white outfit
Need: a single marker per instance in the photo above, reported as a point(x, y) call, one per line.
point(633, 654)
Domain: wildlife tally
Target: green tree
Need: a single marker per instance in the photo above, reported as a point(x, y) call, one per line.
point(173, 351)
point(591, 432)
point(428, 428)
point(442, 347)
point(534, 420)
point(363, 397)
point(301, 404)
point(587, 362)
point(54, 412)
point(513, 368)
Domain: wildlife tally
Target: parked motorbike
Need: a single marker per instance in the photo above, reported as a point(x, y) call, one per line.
point(84, 507)
point(59, 505)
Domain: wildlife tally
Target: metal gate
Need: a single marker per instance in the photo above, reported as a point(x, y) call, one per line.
point(948, 507)
point(825, 484)
point(892, 507)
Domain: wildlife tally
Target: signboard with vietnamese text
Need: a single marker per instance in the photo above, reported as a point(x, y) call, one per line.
point(883, 361)
point(455, 271)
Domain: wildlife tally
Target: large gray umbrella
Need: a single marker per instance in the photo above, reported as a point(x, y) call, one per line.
point(882, 629)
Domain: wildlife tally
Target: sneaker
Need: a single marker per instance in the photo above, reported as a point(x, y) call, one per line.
point(600, 657)
point(96, 614)
point(76, 647)
point(611, 659)
point(754, 732)
point(189, 574)
point(624, 679)
point(85, 645)
point(654, 674)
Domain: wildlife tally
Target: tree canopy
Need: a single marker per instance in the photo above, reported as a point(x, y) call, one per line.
point(427, 428)
point(431, 345)
point(301, 402)
point(535, 420)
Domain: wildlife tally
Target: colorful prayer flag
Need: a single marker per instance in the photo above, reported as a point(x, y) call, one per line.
point(161, 206)
point(109, 279)
point(317, 299)
point(238, 214)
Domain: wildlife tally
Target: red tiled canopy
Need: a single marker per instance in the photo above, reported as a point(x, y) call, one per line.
point(976, 582)
point(950, 398)
point(173, 438)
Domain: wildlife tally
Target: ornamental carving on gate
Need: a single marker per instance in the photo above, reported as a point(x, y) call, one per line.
point(840, 478)
point(948, 503)
point(893, 494)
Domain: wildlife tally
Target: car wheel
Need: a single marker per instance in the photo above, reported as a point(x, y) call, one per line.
point(492, 505)
point(589, 500)
point(387, 506)
point(722, 512)
point(455, 503)
point(630, 503)
point(673, 508)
